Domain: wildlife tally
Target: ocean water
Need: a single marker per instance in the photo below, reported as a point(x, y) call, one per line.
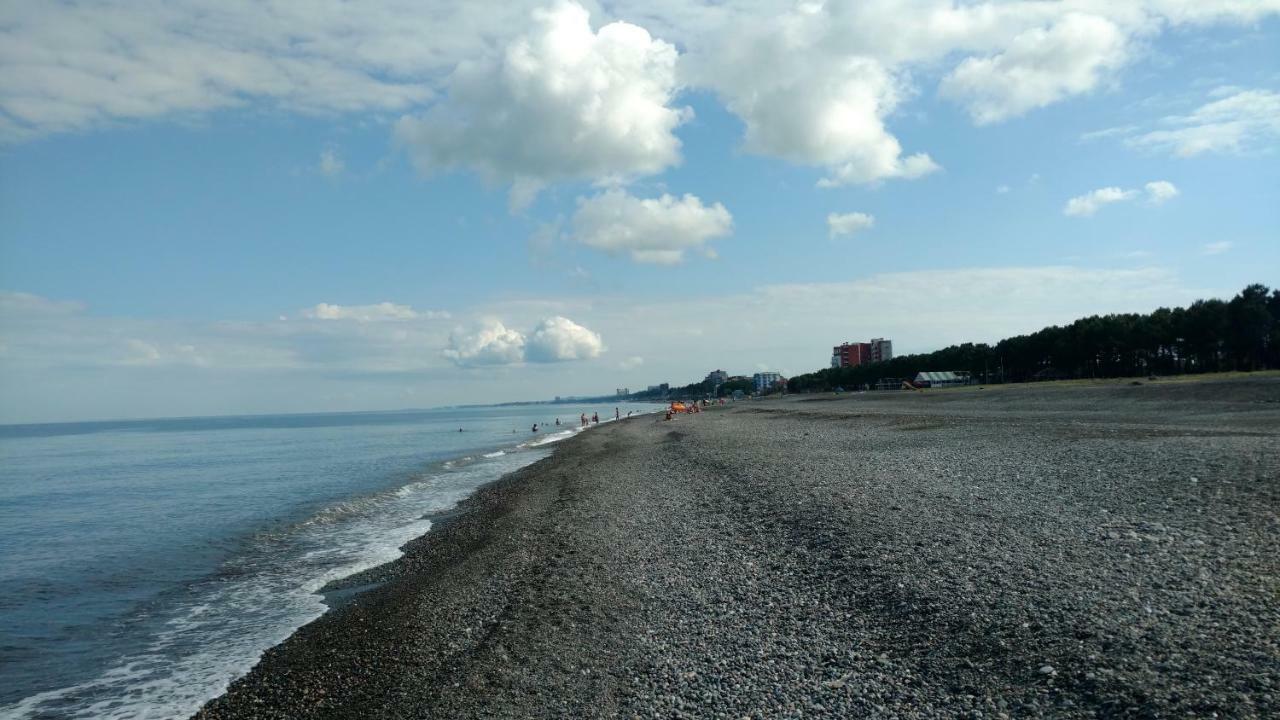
point(144, 565)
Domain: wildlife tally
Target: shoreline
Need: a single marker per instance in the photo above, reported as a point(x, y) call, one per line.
point(793, 557)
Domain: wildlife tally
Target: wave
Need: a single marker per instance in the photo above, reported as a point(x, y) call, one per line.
point(217, 630)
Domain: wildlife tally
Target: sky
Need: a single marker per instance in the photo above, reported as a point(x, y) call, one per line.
point(212, 207)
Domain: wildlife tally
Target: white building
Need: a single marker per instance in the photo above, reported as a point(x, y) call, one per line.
point(765, 380)
point(881, 349)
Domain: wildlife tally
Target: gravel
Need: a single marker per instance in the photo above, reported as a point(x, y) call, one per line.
point(1069, 550)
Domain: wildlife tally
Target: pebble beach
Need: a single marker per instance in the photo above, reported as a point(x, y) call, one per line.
point(1072, 550)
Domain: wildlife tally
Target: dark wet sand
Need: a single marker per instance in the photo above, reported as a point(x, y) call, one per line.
point(1076, 550)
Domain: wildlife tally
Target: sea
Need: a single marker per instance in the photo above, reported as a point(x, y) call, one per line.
point(146, 564)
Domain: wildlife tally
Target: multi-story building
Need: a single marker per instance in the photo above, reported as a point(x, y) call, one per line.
point(622, 392)
point(858, 353)
point(765, 380)
point(881, 349)
point(717, 377)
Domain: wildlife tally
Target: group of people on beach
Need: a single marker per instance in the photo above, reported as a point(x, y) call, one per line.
point(688, 408)
point(595, 418)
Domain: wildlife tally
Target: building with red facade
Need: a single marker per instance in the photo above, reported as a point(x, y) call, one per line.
point(858, 353)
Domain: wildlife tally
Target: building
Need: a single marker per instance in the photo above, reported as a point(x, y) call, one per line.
point(716, 377)
point(850, 354)
point(941, 379)
point(622, 392)
point(764, 381)
point(859, 353)
point(881, 349)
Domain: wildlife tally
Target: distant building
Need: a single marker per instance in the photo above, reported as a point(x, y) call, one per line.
point(859, 353)
point(717, 377)
point(881, 349)
point(850, 354)
point(766, 380)
point(622, 392)
point(941, 379)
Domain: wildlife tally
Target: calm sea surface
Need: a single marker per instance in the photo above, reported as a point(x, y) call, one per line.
point(144, 565)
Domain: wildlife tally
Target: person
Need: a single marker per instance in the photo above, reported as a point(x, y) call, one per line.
point(459, 429)
point(584, 419)
point(616, 414)
point(535, 427)
point(557, 422)
point(595, 417)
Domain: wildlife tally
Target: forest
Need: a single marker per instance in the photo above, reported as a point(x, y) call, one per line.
point(1242, 333)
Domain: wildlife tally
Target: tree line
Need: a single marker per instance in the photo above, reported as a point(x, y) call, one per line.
point(1206, 336)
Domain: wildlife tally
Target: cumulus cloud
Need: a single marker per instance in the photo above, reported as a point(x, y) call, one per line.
point(78, 66)
point(649, 230)
point(559, 339)
point(490, 342)
point(1241, 121)
point(1156, 192)
point(1160, 191)
point(371, 313)
point(562, 102)
point(806, 98)
point(848, 223)
point(1039, 67)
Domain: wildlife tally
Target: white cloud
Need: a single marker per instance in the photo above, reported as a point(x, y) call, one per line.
point(631, 363)
point(558, 339)
point(563, 102)
point(331, 164)
point(1217, 248)
point(654, 230)
point(140, 352)
point(371, 313)
point(848, 223)
point(1157, 193)
point(1039, 67)
point(1160, 191)
point(1002, 189)
point(1088, 204)
point(489, 342)
point(806, 98)
point(78, 66)
point(1240, 122)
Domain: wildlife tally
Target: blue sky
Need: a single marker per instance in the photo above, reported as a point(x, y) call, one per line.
point(211, 208)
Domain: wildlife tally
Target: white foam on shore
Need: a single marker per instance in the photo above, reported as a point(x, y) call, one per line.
point(220, 631)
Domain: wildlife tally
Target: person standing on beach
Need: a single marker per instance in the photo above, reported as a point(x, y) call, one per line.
point(616, 415)
point(595, 417)
point(584, 419)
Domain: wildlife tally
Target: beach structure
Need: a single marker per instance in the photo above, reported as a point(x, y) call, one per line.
point(888, 384)
point(859, 353)
point(945, 378)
